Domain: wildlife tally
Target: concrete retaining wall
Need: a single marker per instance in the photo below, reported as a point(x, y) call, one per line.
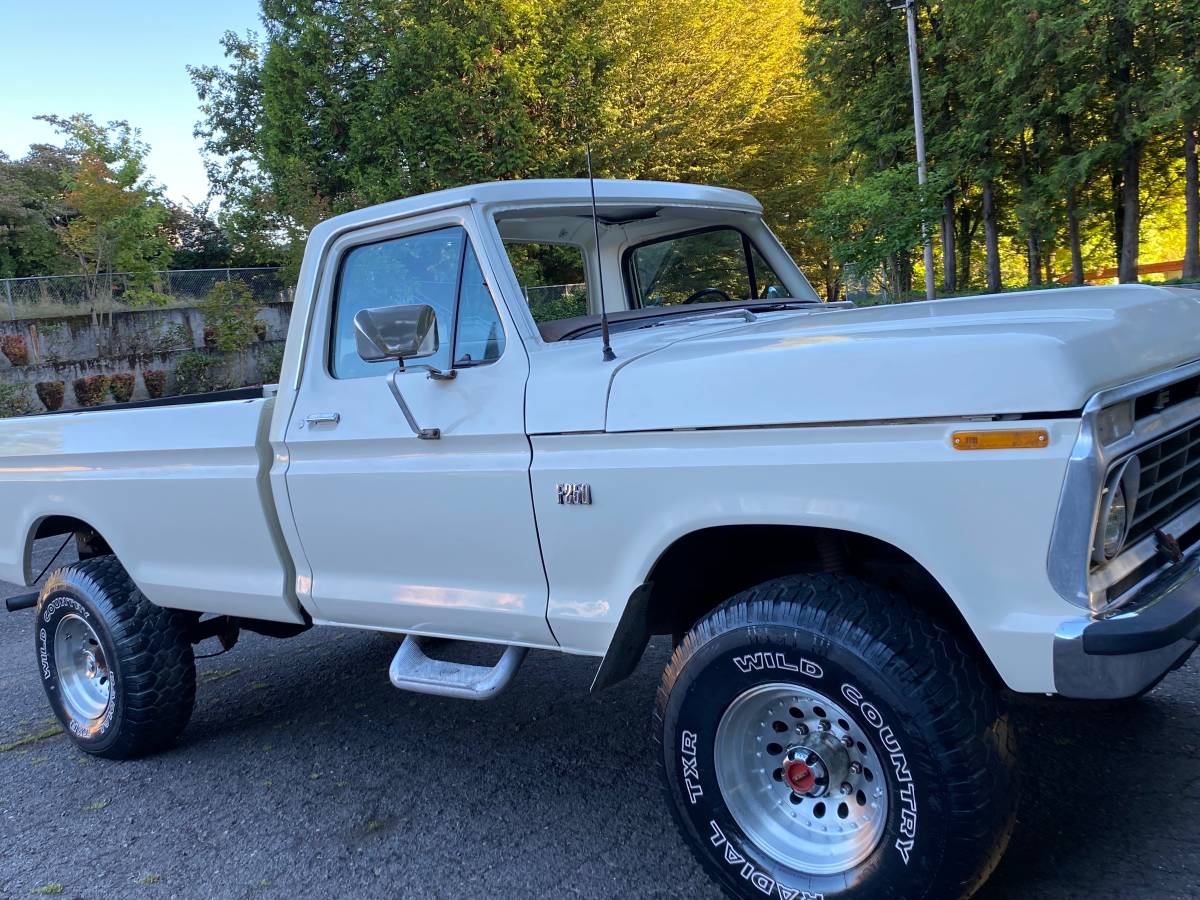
point(63, 349)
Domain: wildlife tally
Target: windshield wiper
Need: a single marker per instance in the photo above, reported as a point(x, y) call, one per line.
point(743, 313)
point(778, 305)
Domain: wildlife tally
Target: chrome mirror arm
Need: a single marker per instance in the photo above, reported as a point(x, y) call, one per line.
point(425, 434)
point(435, 374)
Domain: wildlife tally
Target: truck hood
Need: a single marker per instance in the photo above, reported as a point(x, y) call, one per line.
point(1034, 352)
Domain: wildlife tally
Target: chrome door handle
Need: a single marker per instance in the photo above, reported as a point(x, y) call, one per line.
point(324, 419)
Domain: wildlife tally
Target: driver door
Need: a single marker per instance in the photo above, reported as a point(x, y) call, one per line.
point(426, 536)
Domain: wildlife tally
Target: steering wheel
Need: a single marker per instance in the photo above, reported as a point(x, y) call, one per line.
point(704, 292)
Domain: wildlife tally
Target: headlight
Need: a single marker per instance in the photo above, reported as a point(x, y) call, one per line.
point(1116, 510)
point(1116, 524)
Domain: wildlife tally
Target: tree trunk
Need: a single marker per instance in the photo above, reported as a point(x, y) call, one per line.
point(991, 237)
point(1073, 235)
point(966, 232)
point(1047, 255)
point(1033, 257)
point(1118, 210)
point(1131, 214)
point(948, 254)
point(1191, 191)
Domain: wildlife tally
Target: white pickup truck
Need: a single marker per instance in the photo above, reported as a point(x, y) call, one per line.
point(859, 526)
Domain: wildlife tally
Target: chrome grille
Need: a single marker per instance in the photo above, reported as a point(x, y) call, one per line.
point(1170, 481)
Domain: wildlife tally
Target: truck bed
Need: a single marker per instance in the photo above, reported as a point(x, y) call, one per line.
point(178, 487)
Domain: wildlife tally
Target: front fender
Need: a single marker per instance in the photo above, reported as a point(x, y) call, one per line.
point(979, 521)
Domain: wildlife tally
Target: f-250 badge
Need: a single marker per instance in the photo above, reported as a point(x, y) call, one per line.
point(579, 494)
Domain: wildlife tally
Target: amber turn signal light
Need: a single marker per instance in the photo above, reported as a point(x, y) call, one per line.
point(1013, 439)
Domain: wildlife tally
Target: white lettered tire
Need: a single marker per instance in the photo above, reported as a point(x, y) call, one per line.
point(820, 739)
point(118, 671)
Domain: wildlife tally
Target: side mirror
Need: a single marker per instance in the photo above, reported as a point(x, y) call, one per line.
point(396, 332)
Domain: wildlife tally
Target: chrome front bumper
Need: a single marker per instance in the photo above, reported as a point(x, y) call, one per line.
point(1127, 653)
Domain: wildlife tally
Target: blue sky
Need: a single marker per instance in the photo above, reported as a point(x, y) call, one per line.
point(120, 59)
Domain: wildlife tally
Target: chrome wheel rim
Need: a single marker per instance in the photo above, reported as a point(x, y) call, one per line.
point(801, 778)
point(84, 679)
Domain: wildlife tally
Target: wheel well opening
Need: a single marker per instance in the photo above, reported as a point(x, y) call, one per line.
point(88, 541)
point(703, 569)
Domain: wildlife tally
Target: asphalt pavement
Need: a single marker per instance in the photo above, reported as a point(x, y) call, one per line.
point(303, 773)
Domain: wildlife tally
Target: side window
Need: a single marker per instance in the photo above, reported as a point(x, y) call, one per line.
point(424, 268)
point(705, 267)
point(552, 277)
point(480, 336)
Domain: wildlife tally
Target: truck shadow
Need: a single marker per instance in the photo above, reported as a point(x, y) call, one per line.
point(567, 769)
point(1102, 784)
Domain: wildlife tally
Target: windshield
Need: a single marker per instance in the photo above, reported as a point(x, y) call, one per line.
point(718, 264)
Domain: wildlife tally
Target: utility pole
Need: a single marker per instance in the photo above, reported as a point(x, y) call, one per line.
point(919, 126)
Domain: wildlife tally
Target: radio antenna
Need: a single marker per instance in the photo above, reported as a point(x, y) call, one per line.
point(606, 349)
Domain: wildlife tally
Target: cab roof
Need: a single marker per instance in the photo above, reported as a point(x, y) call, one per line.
point(547, 192)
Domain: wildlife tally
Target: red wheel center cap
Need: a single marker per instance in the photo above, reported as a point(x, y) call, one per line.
point(799, 777)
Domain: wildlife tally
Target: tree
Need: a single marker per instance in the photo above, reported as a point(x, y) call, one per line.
point(1181, 91)
point(120, 221)
point(198, 241)
point(230, 310)
point(343, 105)
point(31, 209)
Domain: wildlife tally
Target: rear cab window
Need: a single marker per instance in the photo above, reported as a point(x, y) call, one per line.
point(717, 264)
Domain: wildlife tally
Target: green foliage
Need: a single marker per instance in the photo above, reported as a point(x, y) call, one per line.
point(199, 241)
point(14, 400)
point(199, 373)
point(565, 306)
point(51, 394)
point(155, 381)
point(870, 222)
point(229, 309)
point(121, 386)
point(31, 209)
point(90, 390)
point(120, 224)
point(270, 363)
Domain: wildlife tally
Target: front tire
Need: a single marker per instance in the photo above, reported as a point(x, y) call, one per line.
point(821, 739)
point(118, 671)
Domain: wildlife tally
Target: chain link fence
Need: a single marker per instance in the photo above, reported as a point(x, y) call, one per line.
point(68, 295)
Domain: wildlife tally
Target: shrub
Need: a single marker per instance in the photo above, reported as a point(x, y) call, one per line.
point(568, 306)
point(229, 310)
point(90, 390)
point(198, 373)
point(156, 382)
point(14, 400)
point(51, 394)
point(210, 336)
point(260, 329)
point(122, 386)
point(13, 346)
point(270, 362)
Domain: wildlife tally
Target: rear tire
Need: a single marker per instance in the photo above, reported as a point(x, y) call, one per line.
point(118, 671)
point(819, 738)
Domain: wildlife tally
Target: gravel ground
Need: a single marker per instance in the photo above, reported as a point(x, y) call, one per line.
point(304, 773)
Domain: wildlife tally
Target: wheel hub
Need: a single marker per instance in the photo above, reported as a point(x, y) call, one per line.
point(84, 679)
point(815, 766)
point(801, 778)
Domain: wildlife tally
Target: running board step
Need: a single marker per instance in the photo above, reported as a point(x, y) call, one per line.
point(412, 670)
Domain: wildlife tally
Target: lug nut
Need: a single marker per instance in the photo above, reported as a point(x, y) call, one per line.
point(824, 725)
point(846, 787)
point(856, 768)
point(802, 729)
point(848, 742)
